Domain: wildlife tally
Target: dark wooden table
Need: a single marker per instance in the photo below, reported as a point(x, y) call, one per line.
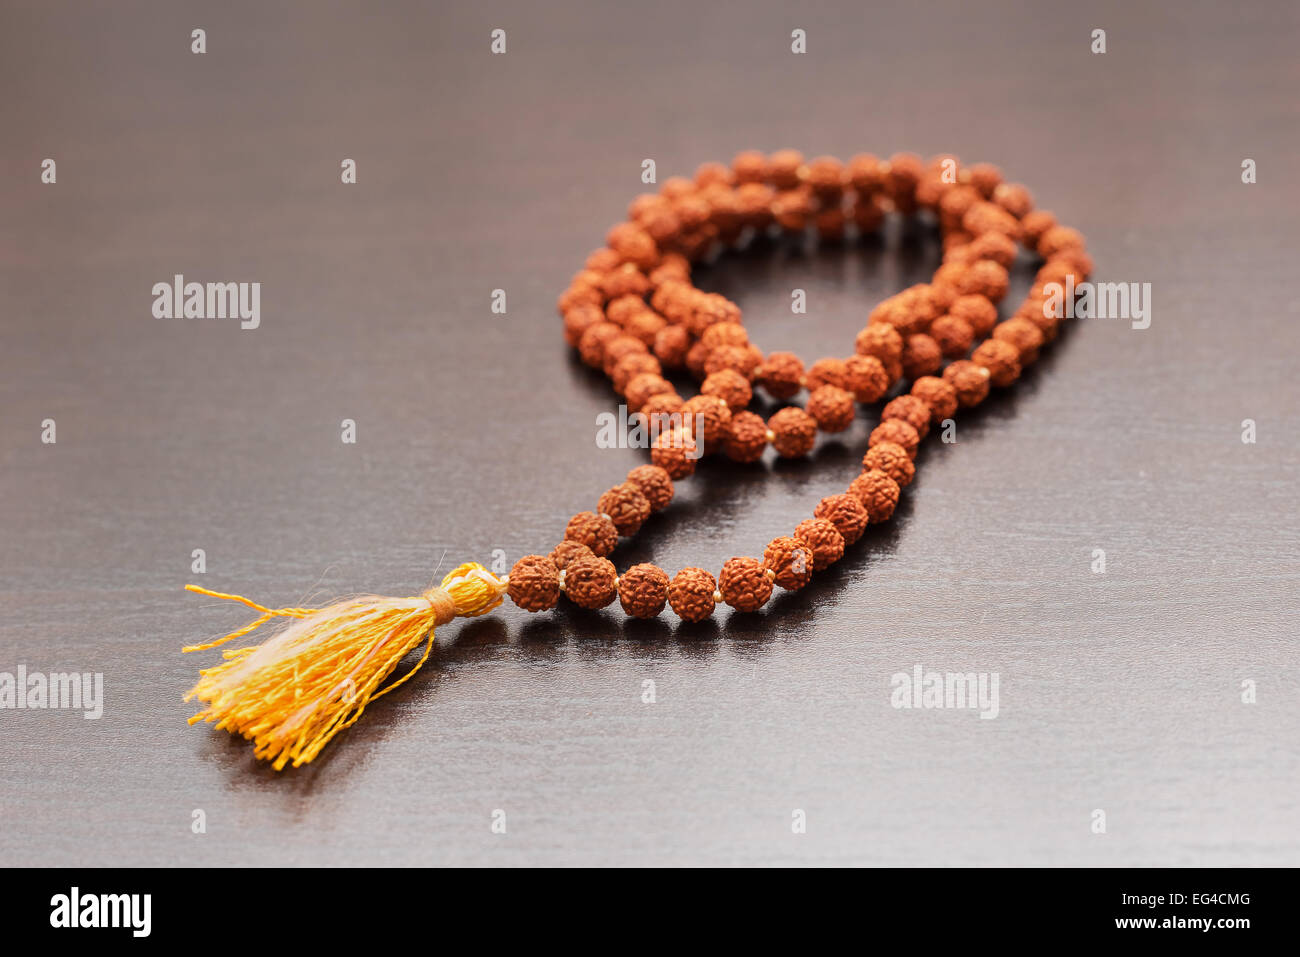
point(1119, 691)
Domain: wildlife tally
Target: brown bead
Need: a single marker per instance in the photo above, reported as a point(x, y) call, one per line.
point(1015, 199)
point(691, 594)
point(595, 531)
point(911, 410)
point(953, 335)
point(899, 433)
point(746, 437)
point(695, 357)
point(567, 551)
point(602, 260)
point(940, 396)
point(986, 278)
point(736, 358)
point(846, 513)
point(729, 386)
point(792, 208)
point(578, 319)
point(905, 171)
point(591, 582)
point(619, 348)
point(634, 244)
point(995, 246)
point(783, 168)
point(827, 372)
point(877, 492)
point(624, 308)
point(643, 590)
point(1023, 334)
point(627, 279)
point(866, 378)
point(707, 174)
point(645, 386)
point(1035, 224)
point(832, 408)
point(881, 341)
point(823, 539)
point(654, 483)
point(793, 432)
point(591, 347)
point(789, 561)
point(661, 412)
point(744, 584)
point(891, 459)
point(708, 309)
point(631, 366)
point(725, 334)
point(707, 417)
point(955, 204)
point(969, 381)
point(986, 178)
point(900, 312)
point(868, 213)
point(921, 356)
point(671, 344)
point(990, 218)
point(781, 376)
point(1002, 359)
point(675, 452)
point(826, 177)
point(1056, 239)
point(626, 507)
point(645, 324)
point(978, 311)
point(866, 173)
point(534, 583)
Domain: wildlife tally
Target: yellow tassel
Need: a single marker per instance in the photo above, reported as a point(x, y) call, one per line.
point(293, 693)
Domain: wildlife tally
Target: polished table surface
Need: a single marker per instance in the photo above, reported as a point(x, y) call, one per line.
point(1120, 691)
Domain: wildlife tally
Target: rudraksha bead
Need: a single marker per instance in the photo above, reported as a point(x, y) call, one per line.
point(631, 366)
point(725, 334)
point(642, 590)
point(891, 459)
point(591, 347)
point(832, 408)
point(866, 378)
point(952, 335)
point(645, 386)
point(675, 452)
point(978, 311)
point(846, 513)
point(877, 492)
point(823, 540)
point(626, 507)
point(691, 594)
point(534, 583)
point(597, 532)
point(789, 561)
point(567, 551)
point(654, 483)
point(793, 432)
point(729, 386)
point(746, 437)
point(591, 582)
point(882, 341)
point(970, 381)
point(940, 396)
point(781, 376)
point(899, 433)
point(578, 319)
point(911, 410)
point(671, 345)
point(1002, 359)
point(826, 372)
point(1023, 334)
point(921, 356)
point(711, 415)
point(744, 585)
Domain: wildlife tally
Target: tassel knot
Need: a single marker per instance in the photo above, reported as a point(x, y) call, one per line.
point(293, 693)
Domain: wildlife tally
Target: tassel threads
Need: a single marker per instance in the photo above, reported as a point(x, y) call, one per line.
point(293, 693)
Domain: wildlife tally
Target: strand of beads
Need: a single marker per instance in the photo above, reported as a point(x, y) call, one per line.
point(634, 313)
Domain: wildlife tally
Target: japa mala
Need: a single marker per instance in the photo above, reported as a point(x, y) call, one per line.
point(633, 312)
